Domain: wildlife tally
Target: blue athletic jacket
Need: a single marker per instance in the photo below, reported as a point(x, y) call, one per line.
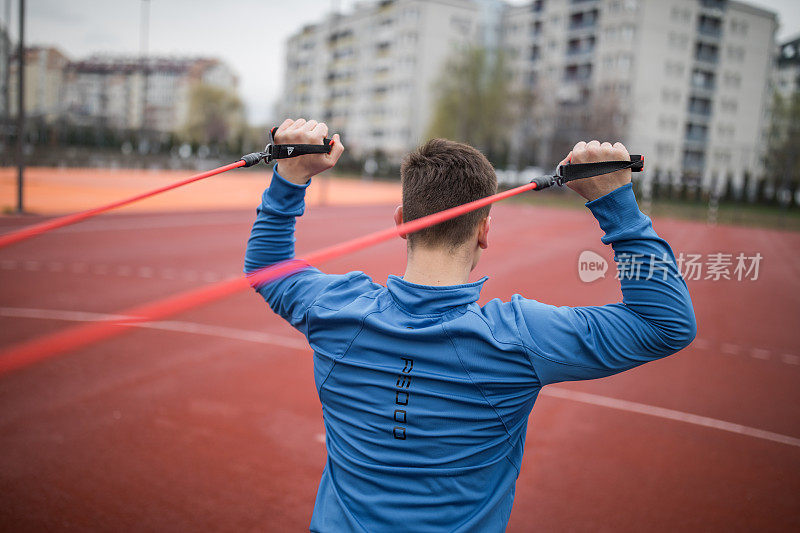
point(426, 395)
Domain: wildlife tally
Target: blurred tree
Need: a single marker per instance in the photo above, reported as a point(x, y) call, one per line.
point(475, 102)
point(215, 119)
point(781, 162)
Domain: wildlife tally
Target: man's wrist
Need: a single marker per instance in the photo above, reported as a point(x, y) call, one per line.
point(295, 176)
point(616, 210)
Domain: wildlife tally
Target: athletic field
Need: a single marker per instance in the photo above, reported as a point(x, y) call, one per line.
point(210, 421)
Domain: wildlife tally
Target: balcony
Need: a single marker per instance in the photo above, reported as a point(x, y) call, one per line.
point(703, 82)
point(713, 4)
point(580, 47)
point(699, 110)
point(699, 118)
point(696, 135)
point(577, 73)
point(707, 54)
point(707, 57)
point(693, 160)
point(584, 20)
point(709, 26)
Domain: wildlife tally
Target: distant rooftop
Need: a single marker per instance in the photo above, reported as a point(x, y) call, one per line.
point(108, 64)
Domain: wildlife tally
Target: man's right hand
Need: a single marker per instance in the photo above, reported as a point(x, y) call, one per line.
point(300, 169)
point(591, 152)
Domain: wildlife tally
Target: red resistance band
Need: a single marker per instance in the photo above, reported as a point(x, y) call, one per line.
point(27, 353)
point(37, 229)
point(271, 152)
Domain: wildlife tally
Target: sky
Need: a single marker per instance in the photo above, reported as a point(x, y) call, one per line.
point(247, 34)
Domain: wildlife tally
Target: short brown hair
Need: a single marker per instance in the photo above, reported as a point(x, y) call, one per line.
point(439, 175)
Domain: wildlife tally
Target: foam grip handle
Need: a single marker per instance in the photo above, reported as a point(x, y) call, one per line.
point(638, 163)
point(325, 142)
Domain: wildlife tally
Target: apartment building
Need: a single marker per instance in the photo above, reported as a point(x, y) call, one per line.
point(44, 82)
point(371, 74)
point(683, 81)
point(127, 93)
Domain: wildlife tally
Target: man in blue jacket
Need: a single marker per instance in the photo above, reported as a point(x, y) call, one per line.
point(425, 394)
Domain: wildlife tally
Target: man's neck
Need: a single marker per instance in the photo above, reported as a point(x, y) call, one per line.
point(435, 266)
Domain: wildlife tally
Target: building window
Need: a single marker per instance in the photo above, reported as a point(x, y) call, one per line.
point(706, 52)
point(703, 79)
point(678, 41)
point(733, 80)
point(736, 53)
point(693, 160)
point(738, 27)
point(627, 33)
point(578, 72)
point(700, 106)
point(584, 19)
point(729, 106)
point(711, 26)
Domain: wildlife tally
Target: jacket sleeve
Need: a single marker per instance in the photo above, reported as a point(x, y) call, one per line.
point(272, 241)
point(654, 319)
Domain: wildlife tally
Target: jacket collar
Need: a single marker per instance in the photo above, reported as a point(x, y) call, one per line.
point(430, 299)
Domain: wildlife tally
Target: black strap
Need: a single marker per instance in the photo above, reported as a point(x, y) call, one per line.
point(283, 151)
point(577, 171)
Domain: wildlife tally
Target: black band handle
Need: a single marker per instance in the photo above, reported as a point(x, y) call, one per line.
point(576, 171)
point(283, 151)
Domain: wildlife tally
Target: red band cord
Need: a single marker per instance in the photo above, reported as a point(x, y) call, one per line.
point(27, 353)
point(37, 229)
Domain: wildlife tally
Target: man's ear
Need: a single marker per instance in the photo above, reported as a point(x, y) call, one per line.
point(483, 232)
point(398, 218)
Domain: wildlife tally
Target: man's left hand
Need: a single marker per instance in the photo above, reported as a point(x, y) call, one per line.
point(300, 169)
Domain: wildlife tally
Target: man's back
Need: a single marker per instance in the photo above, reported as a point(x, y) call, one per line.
point(425, 409)
point(425, 394)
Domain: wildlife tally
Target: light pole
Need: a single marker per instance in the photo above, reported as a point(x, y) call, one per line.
point(7, 78)
point(144, 32)
point(21, 108)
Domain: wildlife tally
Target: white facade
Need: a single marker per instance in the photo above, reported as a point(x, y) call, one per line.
point(371, 74)
point(44, 83)
point(684, 81)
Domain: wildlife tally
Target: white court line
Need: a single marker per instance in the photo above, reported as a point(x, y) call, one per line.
point(188, 220)
point(730, 349)
point(179, 326)
point(279, 340)
point(790, 359)
point(669, 414)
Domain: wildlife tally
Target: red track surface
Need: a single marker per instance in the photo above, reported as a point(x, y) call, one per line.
point(222, 430)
